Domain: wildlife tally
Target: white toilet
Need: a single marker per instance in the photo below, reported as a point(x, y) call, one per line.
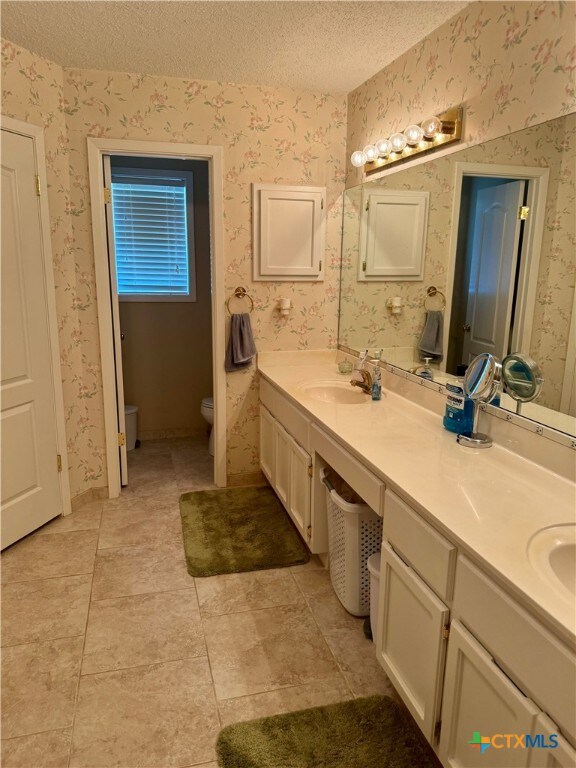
point(207, 410)
point(131, 418)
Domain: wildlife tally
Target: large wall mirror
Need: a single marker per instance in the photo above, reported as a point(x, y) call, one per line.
point(499, 247)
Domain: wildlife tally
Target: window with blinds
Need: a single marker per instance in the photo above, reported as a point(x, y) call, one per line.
point(153, 227)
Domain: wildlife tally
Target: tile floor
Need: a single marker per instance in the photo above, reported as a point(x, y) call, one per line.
point(114, 656)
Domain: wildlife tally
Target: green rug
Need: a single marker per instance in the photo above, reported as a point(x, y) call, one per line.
point(365, 733)
point(238, 529)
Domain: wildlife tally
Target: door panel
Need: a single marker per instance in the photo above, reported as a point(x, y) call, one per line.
point(480, 701)
point(410, 645)
point(30, 483)
point(300, 488)
point(282, 463)
point(493, 252)
point(267, 441)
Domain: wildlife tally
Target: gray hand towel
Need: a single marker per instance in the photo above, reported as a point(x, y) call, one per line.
point(241, 348)
point(430, 344)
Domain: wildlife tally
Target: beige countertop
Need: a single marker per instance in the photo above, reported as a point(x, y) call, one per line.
point(490, 502)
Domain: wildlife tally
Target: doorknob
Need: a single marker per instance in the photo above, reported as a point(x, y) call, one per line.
point(464, 328)
point(122, 337)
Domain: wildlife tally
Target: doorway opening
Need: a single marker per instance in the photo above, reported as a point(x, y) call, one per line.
point(159, 251)
point(153, 178)
point(494, 262)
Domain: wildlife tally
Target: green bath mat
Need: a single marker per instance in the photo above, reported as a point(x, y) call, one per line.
point(365, 733)
point(238, 529)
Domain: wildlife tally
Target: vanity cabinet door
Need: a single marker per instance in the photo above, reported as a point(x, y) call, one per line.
point(300, 490)
point(282, 452)
point(410, 643)
point(561, 756)
point(480, 701)
point(267, 443)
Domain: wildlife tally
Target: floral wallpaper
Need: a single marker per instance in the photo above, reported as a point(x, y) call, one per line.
point(268, 135)
point(511, 64)
point(364, 319)
point(33, 91)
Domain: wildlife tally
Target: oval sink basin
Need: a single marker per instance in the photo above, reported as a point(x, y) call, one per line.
point(552, 553)
point(334, 392)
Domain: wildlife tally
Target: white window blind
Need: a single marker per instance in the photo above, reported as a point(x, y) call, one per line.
point(151, 234)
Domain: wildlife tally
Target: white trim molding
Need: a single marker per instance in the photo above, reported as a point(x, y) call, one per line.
point(36, 133)
point(97, 148)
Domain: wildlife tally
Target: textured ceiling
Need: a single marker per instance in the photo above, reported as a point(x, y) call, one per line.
point(322, 46)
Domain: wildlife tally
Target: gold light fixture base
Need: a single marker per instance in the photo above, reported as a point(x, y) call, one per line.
point(451, 132)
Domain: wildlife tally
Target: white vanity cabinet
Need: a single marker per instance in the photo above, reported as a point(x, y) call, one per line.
point(480, 699)
point(287, 467)
point(416, 576)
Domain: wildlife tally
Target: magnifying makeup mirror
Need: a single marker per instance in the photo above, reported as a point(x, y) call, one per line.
point(480, 385)
point(522, 378)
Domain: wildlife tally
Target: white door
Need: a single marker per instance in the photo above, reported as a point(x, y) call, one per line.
point(282, 463)
point(116, 328)
point(479, 703)
point(30, 482)
point(300, 488)
point(493, 253)
point(410, 642)
point(267, 439)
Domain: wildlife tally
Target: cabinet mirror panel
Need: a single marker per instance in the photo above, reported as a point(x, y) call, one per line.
point(499, 248)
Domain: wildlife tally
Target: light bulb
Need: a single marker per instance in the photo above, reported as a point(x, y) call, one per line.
point(371, 152)
point(384, 147)
point(398, 142)
point(358, 158)
point(413, 134)
point(431, 127)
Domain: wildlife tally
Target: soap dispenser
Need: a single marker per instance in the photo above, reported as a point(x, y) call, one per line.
point(377, 376)
point(426, 371)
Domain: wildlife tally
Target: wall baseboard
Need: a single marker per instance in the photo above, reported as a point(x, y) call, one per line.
point(246, 478)
point(88, 496)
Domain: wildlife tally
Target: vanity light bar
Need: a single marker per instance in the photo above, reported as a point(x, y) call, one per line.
point(432, 133)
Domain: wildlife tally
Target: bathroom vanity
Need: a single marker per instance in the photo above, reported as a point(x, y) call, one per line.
point(475, 630)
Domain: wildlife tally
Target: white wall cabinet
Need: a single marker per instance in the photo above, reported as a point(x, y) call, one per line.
point(480, 699)
point(393, 235)
point(289, 232)
point(287, 467)
point(411, 639)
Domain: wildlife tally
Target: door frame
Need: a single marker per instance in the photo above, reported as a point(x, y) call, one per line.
point(36, 133)
point(213, 154)
point(531, 243)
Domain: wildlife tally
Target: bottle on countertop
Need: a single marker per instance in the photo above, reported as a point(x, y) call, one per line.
point(377, 376)
point(426, 371)
point(459, 415)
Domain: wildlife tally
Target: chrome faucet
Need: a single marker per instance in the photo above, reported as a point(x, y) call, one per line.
point(361, 377)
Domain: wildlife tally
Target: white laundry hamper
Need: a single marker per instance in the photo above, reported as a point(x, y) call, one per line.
point(354, 533)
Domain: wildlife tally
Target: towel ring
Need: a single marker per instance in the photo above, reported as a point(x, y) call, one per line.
point(433, 291)
point(240, 293)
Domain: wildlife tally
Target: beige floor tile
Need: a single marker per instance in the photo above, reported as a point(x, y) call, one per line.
point(87, 518)
point(236, 592)
point(323, 602)
point(44, 557)
point(314, 694)
point(35, 611)
point(39, 682)
point(136, 570)
point(50, 749)
point(314, 564)
point(158, 486)
point(263, 650)
point(356, 657)
point(147, 527)
point(143, 629)
point(150, 717)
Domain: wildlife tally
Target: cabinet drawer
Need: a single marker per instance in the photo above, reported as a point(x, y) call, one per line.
point(297, 424)
point(429, 553)
point(542, 666)
point(358, 477)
